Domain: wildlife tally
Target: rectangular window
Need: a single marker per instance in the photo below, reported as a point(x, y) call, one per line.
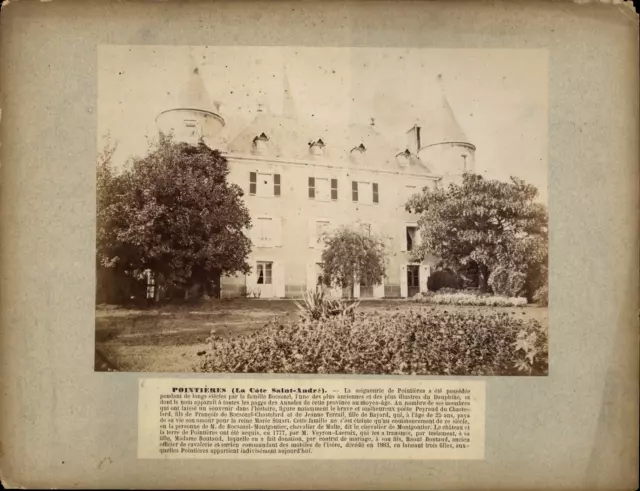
point(375, 192)
point(265, 185)
point(323, 192)
point(363, 192)
point(412, 233)
point(190, 123)
point(276, 184)
point(312, 187)
point(264, 273)
point(265, 230)
point(252, 183)
point(334, 189)
point(322, 227)
point(354, 190)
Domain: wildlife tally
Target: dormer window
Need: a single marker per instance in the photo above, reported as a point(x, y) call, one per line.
point(317, 147)
point(260, 143)
point(358, 152)
point(403, 158)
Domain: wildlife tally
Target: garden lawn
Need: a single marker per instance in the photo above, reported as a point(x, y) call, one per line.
point(170, 338)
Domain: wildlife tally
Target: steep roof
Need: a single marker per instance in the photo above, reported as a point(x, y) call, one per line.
point(194, 95)
point(291, 137)
point(439, 124)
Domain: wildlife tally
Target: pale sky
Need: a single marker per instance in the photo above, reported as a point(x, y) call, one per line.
point(499, 97)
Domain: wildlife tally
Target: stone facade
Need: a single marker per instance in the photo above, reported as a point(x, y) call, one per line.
point(302, 178)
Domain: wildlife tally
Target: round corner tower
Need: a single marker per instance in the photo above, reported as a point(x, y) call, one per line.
point(441, 144)
point(194, 116)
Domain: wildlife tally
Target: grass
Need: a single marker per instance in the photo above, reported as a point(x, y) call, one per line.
point(169, 339)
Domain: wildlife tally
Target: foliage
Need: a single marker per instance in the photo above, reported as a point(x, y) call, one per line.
point(172, 212)
point(507, 282)
point(351, 255)
point(317, 305)
point(541, 296)
point(460, 298)
point(443, 278)
point(486, 222)
point(528, 351)
point(420, 342)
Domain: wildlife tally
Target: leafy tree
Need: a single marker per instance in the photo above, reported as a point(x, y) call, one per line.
point(174, 213)
point(492, 224)
point(352, 255)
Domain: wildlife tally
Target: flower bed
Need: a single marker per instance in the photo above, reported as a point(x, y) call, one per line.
point(421, 342)
point(470, 299)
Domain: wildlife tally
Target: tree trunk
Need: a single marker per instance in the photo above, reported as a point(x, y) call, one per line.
point(214, 286)
point(483, 277)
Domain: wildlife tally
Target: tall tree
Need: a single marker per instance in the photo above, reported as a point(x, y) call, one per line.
point(490, 223)
point(175, 213)
point(351, 255)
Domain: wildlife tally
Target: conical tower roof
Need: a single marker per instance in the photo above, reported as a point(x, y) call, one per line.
point(288, 104)
point(440, 124)
point(194, 94)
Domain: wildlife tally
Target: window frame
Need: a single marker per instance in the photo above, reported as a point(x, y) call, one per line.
point(334, 189)
point(277, 185)
point(413, 272)
point(253, 183)
point(269, 221)
point(266, 268)
point(327, 223)
point(312, 187)
point(414, 241)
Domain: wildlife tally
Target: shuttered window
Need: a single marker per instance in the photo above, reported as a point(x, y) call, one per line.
point(253, 183)
point(334, 189)
point(312, 187)
point(276, 184)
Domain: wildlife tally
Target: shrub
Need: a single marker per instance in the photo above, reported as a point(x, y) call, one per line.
point(444, 278)
point(472, 299)
point(507, 282)
point(422, 342)
point(316, 305)
point(541, 296)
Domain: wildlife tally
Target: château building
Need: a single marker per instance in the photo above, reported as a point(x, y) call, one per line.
point(302, 178)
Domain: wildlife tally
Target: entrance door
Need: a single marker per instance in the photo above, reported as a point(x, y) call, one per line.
point(413, 280)
point(264, 279)
point(366, 291)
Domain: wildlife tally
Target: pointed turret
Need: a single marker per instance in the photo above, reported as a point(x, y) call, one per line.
point(440, 124)
point(439, 141)
point(288, 105)
point(194, 116)
point(193, 94)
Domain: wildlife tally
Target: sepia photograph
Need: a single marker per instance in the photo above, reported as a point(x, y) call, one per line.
point(325, 210)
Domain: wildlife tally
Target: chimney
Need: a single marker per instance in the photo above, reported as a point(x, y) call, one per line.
point(413, 139)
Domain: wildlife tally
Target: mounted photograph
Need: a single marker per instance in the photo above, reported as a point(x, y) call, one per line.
point(322, 210)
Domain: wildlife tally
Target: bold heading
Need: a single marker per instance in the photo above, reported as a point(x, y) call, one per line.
point(236, 390)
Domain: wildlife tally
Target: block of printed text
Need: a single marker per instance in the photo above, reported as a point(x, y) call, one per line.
point(311, 419)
